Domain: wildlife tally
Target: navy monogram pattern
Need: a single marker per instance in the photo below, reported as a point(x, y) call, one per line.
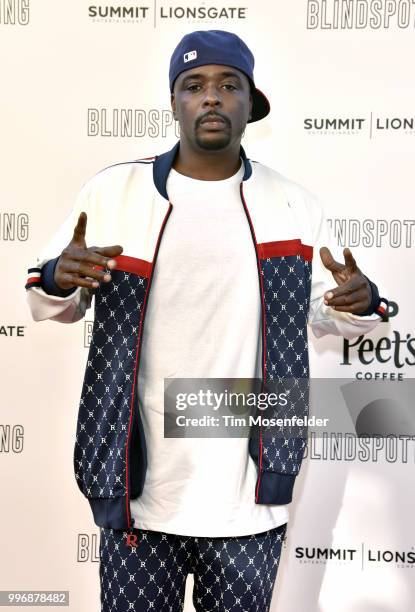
point(232, 574)
point(104, 410)
point(287, 286)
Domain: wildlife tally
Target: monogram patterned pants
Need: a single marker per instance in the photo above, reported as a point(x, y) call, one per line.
point(233, 574)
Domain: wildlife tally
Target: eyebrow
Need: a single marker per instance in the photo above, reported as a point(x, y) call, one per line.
point(199, 75)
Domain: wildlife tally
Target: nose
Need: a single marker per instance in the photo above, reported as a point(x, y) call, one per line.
point(213, 97)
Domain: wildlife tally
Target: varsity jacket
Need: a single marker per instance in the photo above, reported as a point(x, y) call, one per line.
point(128, 204)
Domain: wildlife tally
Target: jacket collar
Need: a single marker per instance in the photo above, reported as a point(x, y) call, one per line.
point(163, 163)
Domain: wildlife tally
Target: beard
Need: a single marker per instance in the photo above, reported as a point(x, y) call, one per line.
point(220, 141)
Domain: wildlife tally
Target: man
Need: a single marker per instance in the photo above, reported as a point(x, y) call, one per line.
point(231, 294)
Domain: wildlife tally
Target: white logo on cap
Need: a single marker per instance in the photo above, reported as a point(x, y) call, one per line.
point(188, 57)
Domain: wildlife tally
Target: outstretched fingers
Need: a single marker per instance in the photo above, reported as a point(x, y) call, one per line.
point(328, 260)
point(80, 229)
point(350, 260)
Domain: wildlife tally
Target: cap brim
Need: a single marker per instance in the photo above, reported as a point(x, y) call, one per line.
point(260, 105)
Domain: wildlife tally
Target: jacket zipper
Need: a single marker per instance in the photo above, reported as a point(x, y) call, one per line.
point(261, 291)
point(131, 539)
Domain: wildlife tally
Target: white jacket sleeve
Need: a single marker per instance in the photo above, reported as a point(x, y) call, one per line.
point(324, 319)
point(42, 305)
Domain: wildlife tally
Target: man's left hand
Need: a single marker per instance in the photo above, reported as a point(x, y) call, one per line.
point(353, 293)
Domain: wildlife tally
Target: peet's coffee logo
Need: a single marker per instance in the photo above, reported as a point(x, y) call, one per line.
point(11, 438)
point(397, 350)
point(395, 233)
point(384, 410)
point(14, 226)
point(363, 555)
point(370, 126)
point(87, 547)
point(135, 13)
point(360, 14)
point(131, 123)
point(14, 12)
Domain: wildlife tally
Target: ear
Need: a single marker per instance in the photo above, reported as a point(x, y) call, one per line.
point(173, 105)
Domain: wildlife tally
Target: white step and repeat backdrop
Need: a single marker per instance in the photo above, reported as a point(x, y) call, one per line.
point(84, 85)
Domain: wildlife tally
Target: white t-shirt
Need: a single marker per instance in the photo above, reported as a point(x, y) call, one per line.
point(202, 321)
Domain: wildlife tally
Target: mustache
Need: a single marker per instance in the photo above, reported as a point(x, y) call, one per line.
point(212, 115)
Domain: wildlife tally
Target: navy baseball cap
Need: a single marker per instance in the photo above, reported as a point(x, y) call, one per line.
point(218, 47)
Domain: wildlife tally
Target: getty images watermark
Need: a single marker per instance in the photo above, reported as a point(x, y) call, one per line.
point(289, 408)
point(237, 407)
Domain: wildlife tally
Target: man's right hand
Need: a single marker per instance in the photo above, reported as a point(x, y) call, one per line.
point(77, 262)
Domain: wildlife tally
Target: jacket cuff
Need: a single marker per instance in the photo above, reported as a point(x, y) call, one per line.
point(275, 488)
point(377, 304)
point(47, 280)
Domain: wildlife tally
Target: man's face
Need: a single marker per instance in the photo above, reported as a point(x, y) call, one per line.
point(212, 91)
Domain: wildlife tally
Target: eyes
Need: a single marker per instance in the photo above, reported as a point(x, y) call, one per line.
point(194, 87)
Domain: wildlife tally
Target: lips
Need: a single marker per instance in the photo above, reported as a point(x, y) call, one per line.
point(213, 121)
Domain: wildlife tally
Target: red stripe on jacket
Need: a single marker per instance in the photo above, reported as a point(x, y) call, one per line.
point(285, 248)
